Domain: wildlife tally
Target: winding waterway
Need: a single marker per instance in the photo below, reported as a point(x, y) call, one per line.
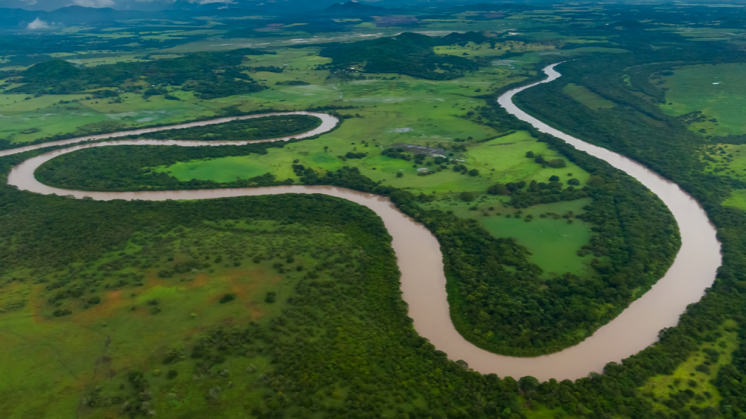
point(420, 260)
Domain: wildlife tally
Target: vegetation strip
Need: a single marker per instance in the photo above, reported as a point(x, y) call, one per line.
point(420, 260)
point(328, 123)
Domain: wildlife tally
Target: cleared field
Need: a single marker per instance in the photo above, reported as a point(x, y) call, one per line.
point(717, 91)
point(727, 160)
point(499, 160)
point(586, 97)
point(228, 169)
point(692, 381)
point(550, 232)
point(554, 241)
point(737, 199)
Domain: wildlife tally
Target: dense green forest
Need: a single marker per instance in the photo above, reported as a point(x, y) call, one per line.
point(207, 74)
point(246, 130)
point(409, 53)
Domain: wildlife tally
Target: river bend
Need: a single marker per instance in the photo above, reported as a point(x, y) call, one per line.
point(420, 260)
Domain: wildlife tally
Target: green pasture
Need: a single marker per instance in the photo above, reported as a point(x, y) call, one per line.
point(717, 91)
point(587, 97)
point(549, 231)
point(694, 377)
point(228, 169)
point(553, 241)
point(737, 199)
point(726, 160)
point(504, 160)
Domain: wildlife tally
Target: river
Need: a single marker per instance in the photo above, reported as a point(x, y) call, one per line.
point(421, 263)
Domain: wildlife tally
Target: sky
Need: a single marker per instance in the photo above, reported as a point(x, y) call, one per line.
point(304, 4)
point(157, 4)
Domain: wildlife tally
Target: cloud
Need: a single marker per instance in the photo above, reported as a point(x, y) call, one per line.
point(37, 24)
point(94, 3)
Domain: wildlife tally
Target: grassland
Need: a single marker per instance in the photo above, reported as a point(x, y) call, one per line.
point(717, 92)
point(498, 160)
point(737, 199)
point(726, 160)
point(692, 383)
point(551, 232)
point(586, 97)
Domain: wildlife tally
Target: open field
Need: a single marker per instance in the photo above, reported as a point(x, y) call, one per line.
point(716, 91)
point(549, 231)
point(692, 383)
point(586, 97)
point(499, 160)
point(726, 160)
point(737, 199)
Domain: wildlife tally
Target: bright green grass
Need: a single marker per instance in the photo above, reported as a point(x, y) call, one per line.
point(504, 160)
point(694, 88)
point(586, 97)
point(228, 169)
point(499, 160)
point(552, 241)
point(737, 199)
point(727, 159)
point(688, 377)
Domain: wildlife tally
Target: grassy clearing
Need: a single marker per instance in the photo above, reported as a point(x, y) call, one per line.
point(504, 160)
point(726, 160)
point(737, 199)
point(717, 91)
point(228, 169)
point(691, 384)
point(586, 97)
point(499, 160)
point(550, 232)
point(552, 239)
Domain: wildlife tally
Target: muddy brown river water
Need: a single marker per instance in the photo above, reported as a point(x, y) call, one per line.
point(420, 260)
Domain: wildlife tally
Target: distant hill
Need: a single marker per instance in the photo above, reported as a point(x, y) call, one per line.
point(353, 8)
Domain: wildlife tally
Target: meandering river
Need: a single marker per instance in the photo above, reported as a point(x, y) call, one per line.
point(421, 263)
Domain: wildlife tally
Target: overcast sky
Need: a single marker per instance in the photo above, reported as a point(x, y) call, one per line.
point(155, 4)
